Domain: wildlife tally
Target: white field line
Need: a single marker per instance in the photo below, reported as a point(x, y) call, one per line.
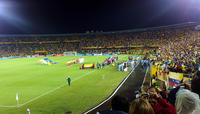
point(50, 91)
point(1, 106)
point(145, 77)
point(115, 91)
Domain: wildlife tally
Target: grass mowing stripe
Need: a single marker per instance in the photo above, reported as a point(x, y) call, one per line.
point(31, 79)
point(47, 92)
point(54, 89)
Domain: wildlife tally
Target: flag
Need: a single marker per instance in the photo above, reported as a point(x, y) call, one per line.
point(17, 98)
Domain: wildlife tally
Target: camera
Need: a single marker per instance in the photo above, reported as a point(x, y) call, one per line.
point(146, 95)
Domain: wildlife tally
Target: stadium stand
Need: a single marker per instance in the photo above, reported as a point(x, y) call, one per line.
point(123, 42)
point(175, 50)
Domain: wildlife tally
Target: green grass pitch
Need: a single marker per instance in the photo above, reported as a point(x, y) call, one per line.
point(44, 90)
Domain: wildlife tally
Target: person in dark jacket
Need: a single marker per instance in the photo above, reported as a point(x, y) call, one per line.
point(69, 81)
point(172, 95)
point(119, 104)
point(196, 84)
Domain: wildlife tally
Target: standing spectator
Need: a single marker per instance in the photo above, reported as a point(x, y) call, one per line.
point(153, 81)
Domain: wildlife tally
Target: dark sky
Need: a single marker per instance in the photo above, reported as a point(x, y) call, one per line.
point(74, 16)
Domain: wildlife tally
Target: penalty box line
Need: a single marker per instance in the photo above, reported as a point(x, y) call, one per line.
point(50, 91)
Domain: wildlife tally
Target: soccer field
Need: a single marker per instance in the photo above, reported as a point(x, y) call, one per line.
point(43, 89)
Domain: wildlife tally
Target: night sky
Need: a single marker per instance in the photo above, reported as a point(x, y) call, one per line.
point(75, 16)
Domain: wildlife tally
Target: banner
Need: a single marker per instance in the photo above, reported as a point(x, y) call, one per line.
point(175, 78)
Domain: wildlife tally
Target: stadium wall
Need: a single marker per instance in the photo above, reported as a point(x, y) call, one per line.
point(13, 57)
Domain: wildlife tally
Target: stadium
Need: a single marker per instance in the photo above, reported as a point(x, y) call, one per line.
point(42, 86)
point(117, 58)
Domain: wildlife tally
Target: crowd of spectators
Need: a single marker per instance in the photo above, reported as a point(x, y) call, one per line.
point(177, 51)
point(177, 48)
point(101, 43)
point(181, 100)
point(181, 55)
point(96, 42)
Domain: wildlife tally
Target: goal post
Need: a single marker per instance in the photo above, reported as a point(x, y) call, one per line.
point(70, 53)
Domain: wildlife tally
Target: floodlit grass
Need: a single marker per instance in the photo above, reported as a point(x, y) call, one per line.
point(44, 90)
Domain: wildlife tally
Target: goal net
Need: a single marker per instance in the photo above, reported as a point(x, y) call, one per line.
point(70, 53)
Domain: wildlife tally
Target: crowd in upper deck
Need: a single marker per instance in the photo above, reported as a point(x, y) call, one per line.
point(91, 43)
point(177, 50)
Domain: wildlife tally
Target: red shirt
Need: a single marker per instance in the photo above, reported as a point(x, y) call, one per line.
point(163, 107)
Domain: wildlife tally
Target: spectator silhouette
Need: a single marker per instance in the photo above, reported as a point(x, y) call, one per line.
point(119, 104)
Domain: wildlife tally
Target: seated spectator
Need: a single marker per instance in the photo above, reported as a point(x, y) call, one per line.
point(187, 102)
point(159, 105)
point(120, 105)
point(172, 95)
point(140, 106)
point(154, 90)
